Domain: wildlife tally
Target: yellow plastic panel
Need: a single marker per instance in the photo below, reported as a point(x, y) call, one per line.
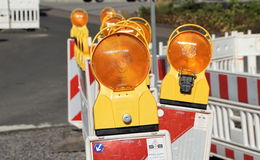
point(171, 90)
point(148, 109)
point(125, 102)
point(144, 25)
point(103, 113)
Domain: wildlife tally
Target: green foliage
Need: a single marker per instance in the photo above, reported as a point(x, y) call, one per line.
point(215, 17)
point(144, 11)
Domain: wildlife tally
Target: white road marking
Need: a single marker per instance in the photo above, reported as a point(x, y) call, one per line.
point(28, 127)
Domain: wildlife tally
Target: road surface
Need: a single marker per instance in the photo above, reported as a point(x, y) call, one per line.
point(33, 71)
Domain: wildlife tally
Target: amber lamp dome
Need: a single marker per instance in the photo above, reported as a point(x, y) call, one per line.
point(79, 17)
point(189, 51)
point(107, 11)
point(120, 62)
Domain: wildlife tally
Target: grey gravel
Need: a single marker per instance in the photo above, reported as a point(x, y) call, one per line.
point(58, 143)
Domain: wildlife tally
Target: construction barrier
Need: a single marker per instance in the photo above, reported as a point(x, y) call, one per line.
point(74, 100)
point(237, 52)
point(183, 126)
point(236, 130)
point(19, 14)
point(228, 115)
point(149, 145)
point(78, 78)
point(236, 87)
point(190, 131)
point(89, 96)
point(235, 104)
point(240, 87)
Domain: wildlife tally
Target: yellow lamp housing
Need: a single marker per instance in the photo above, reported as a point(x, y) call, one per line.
point(107, 11)
point(129, 27)
point(189, 52)
point(109, 21)
point(120, 63)
point(145, 27)
point(79, 32)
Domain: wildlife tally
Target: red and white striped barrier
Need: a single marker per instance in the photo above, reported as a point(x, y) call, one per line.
point(243, 88)
point(74, 100)
point(80, 85)
point(88, 99)
point(235, 103)
point(236, 125)
point(225, 151)
point(190, 131)
point(240, 87)
point(162, 65)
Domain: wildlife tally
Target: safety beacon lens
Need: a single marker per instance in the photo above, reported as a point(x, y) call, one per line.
point(189, 52)
point(121, 62)
point(79, 17)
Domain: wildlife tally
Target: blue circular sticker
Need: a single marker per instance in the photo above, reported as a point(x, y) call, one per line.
point(98, 147)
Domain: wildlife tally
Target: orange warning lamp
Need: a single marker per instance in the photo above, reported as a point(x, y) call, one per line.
point(129, 27)
point(107, 11)
point(133, 28)
point(121, 63)
point(79, 17)
point(189, 53)
point(79, 31)
point(110, 21)
point(145, 27)
point(128, 68)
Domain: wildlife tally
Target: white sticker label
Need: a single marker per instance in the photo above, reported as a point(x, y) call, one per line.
point(201, 121)
point(156, 149)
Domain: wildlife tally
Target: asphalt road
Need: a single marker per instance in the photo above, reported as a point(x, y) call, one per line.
point(123, 7)
point(56, 143)
point(33, 73)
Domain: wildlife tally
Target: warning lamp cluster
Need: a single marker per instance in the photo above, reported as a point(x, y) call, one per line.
point(122, 43)
point(120, 61)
